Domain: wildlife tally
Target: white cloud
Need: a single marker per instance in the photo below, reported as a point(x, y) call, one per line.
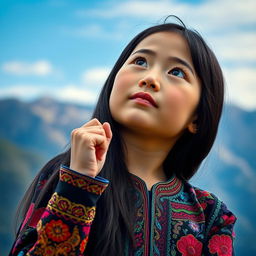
point(211, 13)
point(68, 93)
point(95, 77)
point(23, 91)
point(86, 92)
point(241, 88)
point(236, 46)
point(129, 9)
point(38, 68)
point(77, 94)
point(96, 31)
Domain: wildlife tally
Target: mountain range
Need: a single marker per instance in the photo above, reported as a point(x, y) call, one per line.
point(33, 132)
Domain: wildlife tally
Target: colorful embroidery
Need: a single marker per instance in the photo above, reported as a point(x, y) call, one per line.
point(194, 226)
point(177, 228)
point(189, 246)
point(169, 188)
point(227, 220)
point(181, 211)
point(221, 244)
point(141, 231)
point(86, 183)
point(63, 207)
point(32, 216)
point(55, 238)
point(202, 194)
point(57, 231)
point(177, 224)
point(83, 245)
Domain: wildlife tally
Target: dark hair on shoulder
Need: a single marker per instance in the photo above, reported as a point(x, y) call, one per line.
point(114, 207)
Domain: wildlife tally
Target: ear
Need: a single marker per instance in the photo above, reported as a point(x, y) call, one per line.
point(192, 126)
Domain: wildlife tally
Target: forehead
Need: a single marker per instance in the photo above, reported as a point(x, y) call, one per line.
point(171, 43)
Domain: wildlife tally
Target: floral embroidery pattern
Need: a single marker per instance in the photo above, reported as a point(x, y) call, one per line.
point(189, 246)
point(77, 212)
point(228, 219)
point(64, 226)
point(57, 231)
point(55, 238)
point(202, 193)
point(194, 226)
point(220, 244)
point(83, 182)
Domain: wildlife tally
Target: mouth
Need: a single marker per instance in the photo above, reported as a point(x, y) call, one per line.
point(144, 98)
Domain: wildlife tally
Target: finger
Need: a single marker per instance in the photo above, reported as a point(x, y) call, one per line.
point(94, 130)
point(101, 147)
point(81, 133)
point(99, 152)
point(107, 128)
point(92, 122)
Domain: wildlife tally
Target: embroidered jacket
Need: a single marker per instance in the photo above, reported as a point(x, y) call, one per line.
point(174, 218)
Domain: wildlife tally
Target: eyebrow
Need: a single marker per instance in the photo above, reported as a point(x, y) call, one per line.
point(171, 58)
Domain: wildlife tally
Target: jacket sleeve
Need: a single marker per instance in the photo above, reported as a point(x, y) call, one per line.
point(64, 224)
point(221, 235)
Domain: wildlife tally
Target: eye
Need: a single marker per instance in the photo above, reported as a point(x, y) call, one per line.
point(177, 72)
point(140, 61)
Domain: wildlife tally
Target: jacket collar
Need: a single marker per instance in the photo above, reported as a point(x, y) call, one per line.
point(170, 187)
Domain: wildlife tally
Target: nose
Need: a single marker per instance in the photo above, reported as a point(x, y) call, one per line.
point(150, 82)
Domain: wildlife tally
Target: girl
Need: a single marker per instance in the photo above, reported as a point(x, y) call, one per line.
point(155, 121)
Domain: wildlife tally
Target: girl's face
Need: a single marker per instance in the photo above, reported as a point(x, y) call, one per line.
point(156, 91)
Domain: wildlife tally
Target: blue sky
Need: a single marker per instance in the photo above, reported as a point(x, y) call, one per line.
point(65, 49)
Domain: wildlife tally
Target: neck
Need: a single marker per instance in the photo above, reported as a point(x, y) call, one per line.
point(145, 156)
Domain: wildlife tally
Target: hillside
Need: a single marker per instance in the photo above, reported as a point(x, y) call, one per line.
point(42, 126)
point(17, 168)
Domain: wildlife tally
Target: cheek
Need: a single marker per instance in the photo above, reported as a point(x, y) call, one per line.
point(175, 100)
point(181, 104)
point(120, 90)
point(124, 79)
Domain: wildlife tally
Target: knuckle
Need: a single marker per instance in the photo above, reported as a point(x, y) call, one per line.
point(85, 137)
point(74, 132)
point(96, 121)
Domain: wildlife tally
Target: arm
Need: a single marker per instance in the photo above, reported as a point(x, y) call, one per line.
point(220, 237)
point(65, 223)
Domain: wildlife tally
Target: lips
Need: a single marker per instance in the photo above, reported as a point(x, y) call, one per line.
point(144, 96)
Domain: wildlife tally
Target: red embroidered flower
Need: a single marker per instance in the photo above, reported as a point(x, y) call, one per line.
point(57, 231)
point(220, 244)
point(201, 193)
point(189, 246)
point(228, 219)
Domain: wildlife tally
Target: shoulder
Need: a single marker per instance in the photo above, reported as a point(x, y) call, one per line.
point(217, 214)
point(205, 198)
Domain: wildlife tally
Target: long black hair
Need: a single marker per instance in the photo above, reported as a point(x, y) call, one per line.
point(114, 208)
